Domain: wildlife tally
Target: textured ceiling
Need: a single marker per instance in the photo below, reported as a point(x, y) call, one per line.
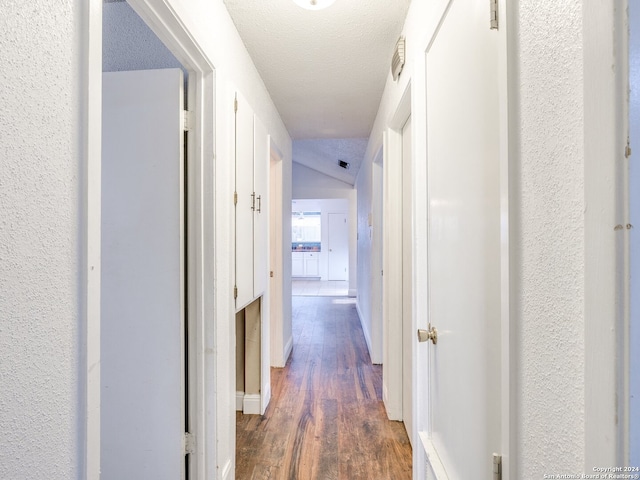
point(325, 70)
point(323, 155)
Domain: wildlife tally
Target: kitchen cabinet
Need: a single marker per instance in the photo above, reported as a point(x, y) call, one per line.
point(305, 264)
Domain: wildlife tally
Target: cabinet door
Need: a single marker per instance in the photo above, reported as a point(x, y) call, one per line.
point(297, 264)
point(261, 212)
point(245, 205)
point(311, 266)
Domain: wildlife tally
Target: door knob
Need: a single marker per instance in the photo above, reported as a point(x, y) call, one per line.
point(430, 334)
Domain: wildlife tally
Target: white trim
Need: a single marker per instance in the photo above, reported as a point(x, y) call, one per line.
point(353, 292)
point(225, 472)
point(509, 131)
point(288, 348)
point(367, 334)
point(437, 468)
point(606, 249)
point(239, 401)
point(251, 404)
point(92, 195)
point(392, 264)
point(265, 398)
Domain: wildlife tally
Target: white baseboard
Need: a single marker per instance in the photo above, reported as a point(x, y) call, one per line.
point(251, 404)
point(239, 401)
point(288, 348)
point(353, 292)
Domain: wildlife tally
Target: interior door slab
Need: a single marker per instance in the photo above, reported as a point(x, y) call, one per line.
point(464, 243)
point(142, 304)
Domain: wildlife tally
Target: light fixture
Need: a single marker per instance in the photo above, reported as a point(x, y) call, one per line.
point(314, 4)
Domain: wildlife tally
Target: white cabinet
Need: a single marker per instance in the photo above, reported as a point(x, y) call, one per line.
point(251, 180)
point(311, 264)
point(305, 264)
point(297, 264)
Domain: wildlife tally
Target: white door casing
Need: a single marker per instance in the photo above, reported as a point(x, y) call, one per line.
point(143, 290)
point(464, 244)
point(408, 334)
point(338, 255)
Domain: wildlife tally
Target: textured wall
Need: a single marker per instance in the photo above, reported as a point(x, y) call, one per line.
point(128, 44)
point(40, 414)
point(551, 240)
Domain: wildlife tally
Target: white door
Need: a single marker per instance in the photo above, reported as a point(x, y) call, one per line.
point(142, 303)
point(463, 244)
point(408, 334)
point(338, 236)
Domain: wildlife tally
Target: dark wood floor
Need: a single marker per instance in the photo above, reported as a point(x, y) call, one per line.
point(326, 419)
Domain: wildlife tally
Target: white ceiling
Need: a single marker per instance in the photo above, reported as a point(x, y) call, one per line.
point(325, 70)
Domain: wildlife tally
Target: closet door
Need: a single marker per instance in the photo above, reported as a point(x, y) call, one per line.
point(246, 202)
point(142, 303)
point(261, 213)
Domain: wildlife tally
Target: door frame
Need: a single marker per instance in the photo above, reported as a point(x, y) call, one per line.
point(166, 24)
point(392, 389)
point(607, 295)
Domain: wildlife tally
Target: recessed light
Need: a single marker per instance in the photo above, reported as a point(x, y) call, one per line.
point(314, 4)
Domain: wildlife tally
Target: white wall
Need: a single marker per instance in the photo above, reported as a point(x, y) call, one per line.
point(310, 184)
point(129, 44)
point(42, 379)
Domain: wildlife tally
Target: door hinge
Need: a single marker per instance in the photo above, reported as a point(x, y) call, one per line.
point(187, 120)
point(235, 104)
point(235, 198)
point(627, 150)
point(271, 273)
point(497, 467)
point(189, 443)
point(235, 292)
point(494, 14)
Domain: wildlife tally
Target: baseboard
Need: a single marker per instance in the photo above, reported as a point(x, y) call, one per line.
point(367, 335)
point(239, 401)
point(251, 404)
point(225, 472)
point(288, 348)
point(353, 292)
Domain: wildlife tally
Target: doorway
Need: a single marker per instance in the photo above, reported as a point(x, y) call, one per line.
point(194, 236)
point(320, 247)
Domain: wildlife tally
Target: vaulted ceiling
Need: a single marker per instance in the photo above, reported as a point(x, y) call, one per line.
point(325, 71)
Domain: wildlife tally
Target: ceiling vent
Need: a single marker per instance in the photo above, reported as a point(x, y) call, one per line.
point(397, 62)
point(344, 164)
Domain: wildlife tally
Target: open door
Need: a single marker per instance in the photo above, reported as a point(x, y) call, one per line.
point(143, 282)
point(463, 156)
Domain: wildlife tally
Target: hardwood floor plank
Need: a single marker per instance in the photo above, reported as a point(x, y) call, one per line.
point(326, 419)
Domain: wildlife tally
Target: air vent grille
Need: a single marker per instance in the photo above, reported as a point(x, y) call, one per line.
point(397, 62)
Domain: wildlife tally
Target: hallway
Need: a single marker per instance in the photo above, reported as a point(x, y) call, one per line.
point(326, 419)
